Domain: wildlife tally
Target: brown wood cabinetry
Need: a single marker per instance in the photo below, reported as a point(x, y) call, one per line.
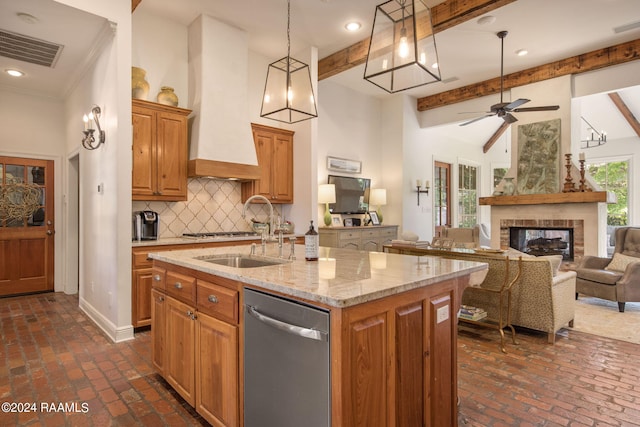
point(195, 341)
point(160, 152)
point(274, 148)
point(142, 279)
point(397, 359)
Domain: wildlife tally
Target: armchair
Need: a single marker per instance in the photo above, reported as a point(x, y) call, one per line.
point(617, 278)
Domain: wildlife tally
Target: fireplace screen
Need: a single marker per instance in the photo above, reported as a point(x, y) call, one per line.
point(543, 241)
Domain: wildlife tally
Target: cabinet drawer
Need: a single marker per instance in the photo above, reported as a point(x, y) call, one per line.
point(388, 232)
point(141, 260)
point(218, 301)
point(158, 278)
point(349, 235)
point(181, 286)
point(370, 234)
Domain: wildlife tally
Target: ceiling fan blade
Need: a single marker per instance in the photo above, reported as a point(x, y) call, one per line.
point(516, 104)
point(509, 118)
point(542, 108)
point(476, 119)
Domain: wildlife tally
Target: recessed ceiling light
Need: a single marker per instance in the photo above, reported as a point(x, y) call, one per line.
point(521, 52)
point(353, 26)
point(14, 72)
point(486, 20)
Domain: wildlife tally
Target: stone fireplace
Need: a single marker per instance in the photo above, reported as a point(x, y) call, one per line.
point(577, 211)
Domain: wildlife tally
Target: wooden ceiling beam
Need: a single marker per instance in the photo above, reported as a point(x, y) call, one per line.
point(625, 111)
point(134, 4)
point(444, 15)
point(503, 127)
point(601, 58)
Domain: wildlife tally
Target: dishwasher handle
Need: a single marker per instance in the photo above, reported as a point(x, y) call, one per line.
point(313, 334)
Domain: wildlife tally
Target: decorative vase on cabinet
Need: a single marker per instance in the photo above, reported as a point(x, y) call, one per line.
point(166, 96)
point(139, 86)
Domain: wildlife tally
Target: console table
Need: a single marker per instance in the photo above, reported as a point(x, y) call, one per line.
point(367, 238)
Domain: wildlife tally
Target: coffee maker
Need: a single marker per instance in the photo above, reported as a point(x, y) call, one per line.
point(145, 225)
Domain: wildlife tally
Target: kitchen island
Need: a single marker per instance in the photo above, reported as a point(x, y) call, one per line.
point(392, 331)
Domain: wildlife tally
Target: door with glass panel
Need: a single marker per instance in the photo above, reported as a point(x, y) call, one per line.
point(26, 225)
point(442, 197)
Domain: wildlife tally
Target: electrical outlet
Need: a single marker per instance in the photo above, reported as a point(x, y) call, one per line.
point(442, 314)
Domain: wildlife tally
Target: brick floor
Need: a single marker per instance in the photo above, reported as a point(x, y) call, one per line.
point(52, 354)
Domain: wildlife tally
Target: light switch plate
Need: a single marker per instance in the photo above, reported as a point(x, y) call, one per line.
point(442, 314)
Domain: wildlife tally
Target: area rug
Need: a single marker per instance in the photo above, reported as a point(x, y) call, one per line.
point(601, 317)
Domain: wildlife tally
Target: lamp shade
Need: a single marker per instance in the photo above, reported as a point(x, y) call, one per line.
point(378, 196)
point(402, 49)
point(326, 193)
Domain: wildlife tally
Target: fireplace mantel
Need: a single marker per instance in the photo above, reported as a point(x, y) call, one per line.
point(553, 198)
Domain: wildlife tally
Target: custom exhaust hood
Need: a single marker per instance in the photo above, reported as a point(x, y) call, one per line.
point(221, 139)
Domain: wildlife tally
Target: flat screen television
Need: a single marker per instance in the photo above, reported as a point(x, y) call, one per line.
point(352, 194)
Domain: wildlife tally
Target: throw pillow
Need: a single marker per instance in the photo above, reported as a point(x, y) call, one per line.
point(620, 262)
point(555, 261)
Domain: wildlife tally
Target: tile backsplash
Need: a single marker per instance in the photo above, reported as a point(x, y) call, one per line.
point(212, 205)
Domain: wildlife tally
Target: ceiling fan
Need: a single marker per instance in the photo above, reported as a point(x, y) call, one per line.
point(504, 109)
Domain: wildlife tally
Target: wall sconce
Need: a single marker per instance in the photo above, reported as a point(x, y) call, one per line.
point(89, 141)
point(418, 189)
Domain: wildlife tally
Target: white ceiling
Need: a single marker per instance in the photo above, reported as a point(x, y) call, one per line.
point(469, 53)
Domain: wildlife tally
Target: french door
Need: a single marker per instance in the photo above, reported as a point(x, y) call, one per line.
point(26, 225)
point(442, 197)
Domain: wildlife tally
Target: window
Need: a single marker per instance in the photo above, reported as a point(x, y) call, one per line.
point(442, 196)
point(613, 176)
point(467, 196)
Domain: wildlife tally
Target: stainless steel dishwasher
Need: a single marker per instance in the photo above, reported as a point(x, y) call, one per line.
point(286, 363)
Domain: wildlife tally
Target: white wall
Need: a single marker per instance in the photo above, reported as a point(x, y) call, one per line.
point(105, 218)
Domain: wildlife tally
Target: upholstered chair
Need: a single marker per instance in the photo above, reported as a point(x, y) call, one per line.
point(617, 278)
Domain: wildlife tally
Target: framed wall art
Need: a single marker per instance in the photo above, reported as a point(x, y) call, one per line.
point(344, 165)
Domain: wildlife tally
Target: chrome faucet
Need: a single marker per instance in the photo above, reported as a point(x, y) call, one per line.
point(259, 196)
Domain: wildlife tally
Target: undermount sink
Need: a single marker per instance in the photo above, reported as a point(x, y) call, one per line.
point(241, 261)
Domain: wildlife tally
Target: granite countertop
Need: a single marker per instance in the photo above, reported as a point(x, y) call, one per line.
point(192, 240)
point(340, 278)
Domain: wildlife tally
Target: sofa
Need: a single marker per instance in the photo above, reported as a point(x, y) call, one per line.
point(543, 299)
point(616, 278)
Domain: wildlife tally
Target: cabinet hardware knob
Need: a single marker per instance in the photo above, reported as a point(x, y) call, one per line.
point(49, 232)
point(157, 278)
point(178, 285)
point(213, 298)
point(160, 299)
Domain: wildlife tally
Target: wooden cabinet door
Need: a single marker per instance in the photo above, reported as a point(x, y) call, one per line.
point(282, 177)
point(158, 330)
point(180, 346)
point(172, 156)
point(217, 371)
point(141, 297)
point(144, 175)
point(370, 245)
point(263, 143)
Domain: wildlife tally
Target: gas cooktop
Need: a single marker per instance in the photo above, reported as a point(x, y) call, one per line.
point(221, 234)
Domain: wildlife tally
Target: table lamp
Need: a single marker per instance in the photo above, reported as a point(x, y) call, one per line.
point(326, 195)
point(378, 197)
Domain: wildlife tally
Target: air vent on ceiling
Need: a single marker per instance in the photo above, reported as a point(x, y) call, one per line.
point(29, 49)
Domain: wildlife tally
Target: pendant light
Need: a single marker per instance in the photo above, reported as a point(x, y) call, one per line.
point(402, 49)
point(288, 92)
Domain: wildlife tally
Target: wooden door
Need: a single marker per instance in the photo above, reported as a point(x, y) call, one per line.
point(442, 197)
point(158, 330)
point(217, 371)
point(27, 225)
point(172, 155)
point(282, 171)
point(180, 370)
point(143, 180)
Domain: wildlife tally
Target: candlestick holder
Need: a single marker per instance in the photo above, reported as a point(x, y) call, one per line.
point(582, 186)
point(569, 185)
point(419, 191)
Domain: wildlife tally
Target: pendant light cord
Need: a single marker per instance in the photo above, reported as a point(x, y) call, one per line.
point(288, 30)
